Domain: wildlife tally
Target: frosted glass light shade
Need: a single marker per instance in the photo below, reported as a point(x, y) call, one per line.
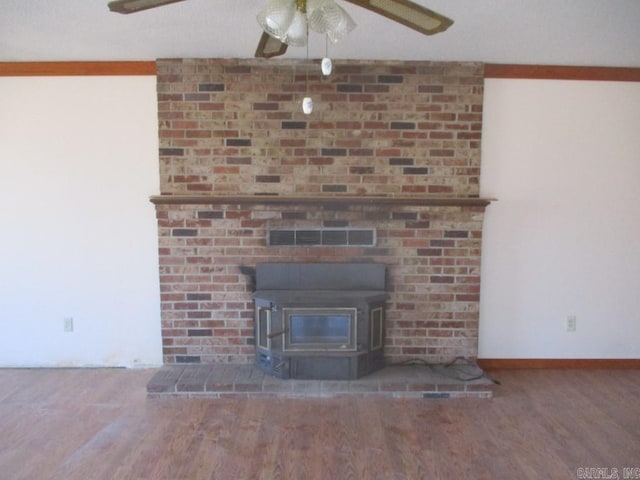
point(340, 30)
point(276, 17)
point(283, 20)
point(325, 16)
point(296, 34)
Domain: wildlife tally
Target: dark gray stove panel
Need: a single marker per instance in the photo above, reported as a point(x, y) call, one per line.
point(320, 276)
point(314, 292)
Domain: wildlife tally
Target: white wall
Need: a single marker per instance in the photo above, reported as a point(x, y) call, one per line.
point(78, 161)
point(78, 157)
point(563, 160)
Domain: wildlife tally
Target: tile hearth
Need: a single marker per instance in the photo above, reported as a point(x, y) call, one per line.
point(408, 381)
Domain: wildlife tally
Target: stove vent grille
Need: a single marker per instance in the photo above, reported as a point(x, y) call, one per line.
point(347, 237)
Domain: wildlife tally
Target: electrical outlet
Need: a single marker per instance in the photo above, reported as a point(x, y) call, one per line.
point(68, 324)
point(571, 323)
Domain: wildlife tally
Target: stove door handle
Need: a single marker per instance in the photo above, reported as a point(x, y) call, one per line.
point(275, 334)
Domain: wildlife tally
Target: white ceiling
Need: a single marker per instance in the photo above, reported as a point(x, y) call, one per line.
point(548, 32)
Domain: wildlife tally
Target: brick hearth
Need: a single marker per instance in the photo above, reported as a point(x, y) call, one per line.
point(226, 380)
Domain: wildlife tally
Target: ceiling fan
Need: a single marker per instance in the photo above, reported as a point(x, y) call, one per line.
point(287, 22)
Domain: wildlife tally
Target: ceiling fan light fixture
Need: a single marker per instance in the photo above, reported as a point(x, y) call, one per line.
point(297, 32)
point(325, 16)
point(285, 20)
point(341, 28)
point(276, 17)
point(290, 20)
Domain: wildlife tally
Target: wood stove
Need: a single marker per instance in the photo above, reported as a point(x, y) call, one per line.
point(320, 320)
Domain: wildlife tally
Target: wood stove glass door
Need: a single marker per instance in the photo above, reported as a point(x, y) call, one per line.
point(320, 329)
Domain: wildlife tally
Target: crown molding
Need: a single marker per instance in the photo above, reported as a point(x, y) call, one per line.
point(551, 72)
point(63, 69)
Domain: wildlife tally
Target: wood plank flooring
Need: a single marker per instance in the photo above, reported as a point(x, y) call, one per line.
point(100, 424)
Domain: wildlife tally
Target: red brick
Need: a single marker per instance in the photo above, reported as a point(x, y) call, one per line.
point(428, 273)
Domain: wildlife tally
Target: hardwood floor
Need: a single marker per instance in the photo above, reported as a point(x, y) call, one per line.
point(99, 424)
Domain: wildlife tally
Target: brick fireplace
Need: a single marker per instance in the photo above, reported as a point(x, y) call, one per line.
point(392, 148)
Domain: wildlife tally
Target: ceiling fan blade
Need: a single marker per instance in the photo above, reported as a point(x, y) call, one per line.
point(132, 6)
point(409, 14)
point(270, 46)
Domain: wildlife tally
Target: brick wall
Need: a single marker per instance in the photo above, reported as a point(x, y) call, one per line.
point(235, 127)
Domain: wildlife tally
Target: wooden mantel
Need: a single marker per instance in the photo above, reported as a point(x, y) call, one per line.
point(322, 200)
